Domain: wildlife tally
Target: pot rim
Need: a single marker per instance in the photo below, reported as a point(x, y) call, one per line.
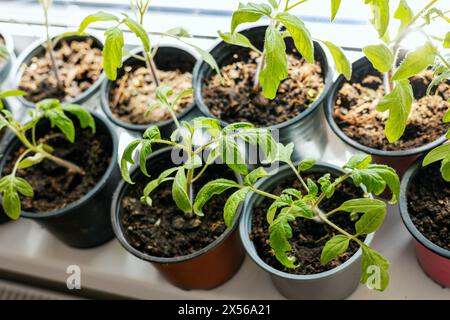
point(91, 193)
point(29, 53)
point(404, 212)
point(6, 64)
point(328, 79)
point(117, 226)
point(329, 106)
point(106, 85)
point(245, 225)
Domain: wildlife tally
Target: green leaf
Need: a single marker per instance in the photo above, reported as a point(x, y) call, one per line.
point(11, 204)
point(445, 169)
point(306, 164)
point(404, 14)
point(273, 3)
point(85, 118)
point(180, 192)
point(112, 52)
point(334, 248)
point(447, 40)
point(280, 233)
point(335, 4)
point(343, 66)
point(127, 158)
point(98, 16)
point(326, 186)
point(254, 176)
point(416, 61)
point(179, 32)
point(11, 186)
point(232, 156)
point(399, 103)
point(232, 204)
point(358, 161)
point(152, 133)
point(163, 177)
point(62, 122)
point(275, 64)
point(437, 154)
point(380, 20)
point(193, 162)
point(250, 12)
point(300, 208)
point(31, 161)
point(146, 150)
point(374, 269)
point(237, 126)
point(313, 189)
point(283, 201)
point(370, 221)
point(12, 93)
point(375, 178)
point(237, 39)
point(362, 205)
point(139, 31)
point(281, 153)
point(210, 189)
point(300, 34)
point(207, 57)
point(380, 56)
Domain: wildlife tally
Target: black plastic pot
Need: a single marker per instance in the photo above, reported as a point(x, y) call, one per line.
point(304, 130)
point(86, 222)
point(399, 160)
point(205, 269)
point(337, 283)
point(38, 49)
point(434, 260)
point(6, 65)
point(168, 57)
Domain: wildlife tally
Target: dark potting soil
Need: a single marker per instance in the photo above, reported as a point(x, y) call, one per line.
point(134, 92)
point(355, 113)
point(235, 100)
point(54, 187)
point(429, 205)
point(309, 237)
point(79, 65)
point(162, 230)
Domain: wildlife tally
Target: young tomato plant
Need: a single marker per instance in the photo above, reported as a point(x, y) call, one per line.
point(272, 65)
point(37, 150)
point(221, 146)
point(305, 204)
point(399, 93)
point(113, 50)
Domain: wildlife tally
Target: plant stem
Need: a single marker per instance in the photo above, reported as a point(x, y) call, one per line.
point(21, 157)
point(49, 44)
point(331, 224)
point(287, 8)
point(36, 149)
point(443, 60)
point(264, 194)
point(259, 66)
point(299, 177)
point(152, 68)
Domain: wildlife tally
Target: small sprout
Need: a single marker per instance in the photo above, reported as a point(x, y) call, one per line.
point(35, 150)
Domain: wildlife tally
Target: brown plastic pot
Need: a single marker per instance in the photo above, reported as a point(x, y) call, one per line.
point(400, 160)
point(205, 269)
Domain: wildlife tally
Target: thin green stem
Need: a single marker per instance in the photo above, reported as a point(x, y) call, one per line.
point(445, 62)
point(299, 177)
point(21, 157)
point(49, 44)
point(288, 8)
point(200, 173)
point(331, 224)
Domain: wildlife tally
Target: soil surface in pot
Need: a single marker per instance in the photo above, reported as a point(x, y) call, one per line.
point(429, 205)
point(54, 187)
point(161, 230)
point(236, 101)
point(355, 113)
point(79, 65)
point(309, 237)
point(134, 93)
